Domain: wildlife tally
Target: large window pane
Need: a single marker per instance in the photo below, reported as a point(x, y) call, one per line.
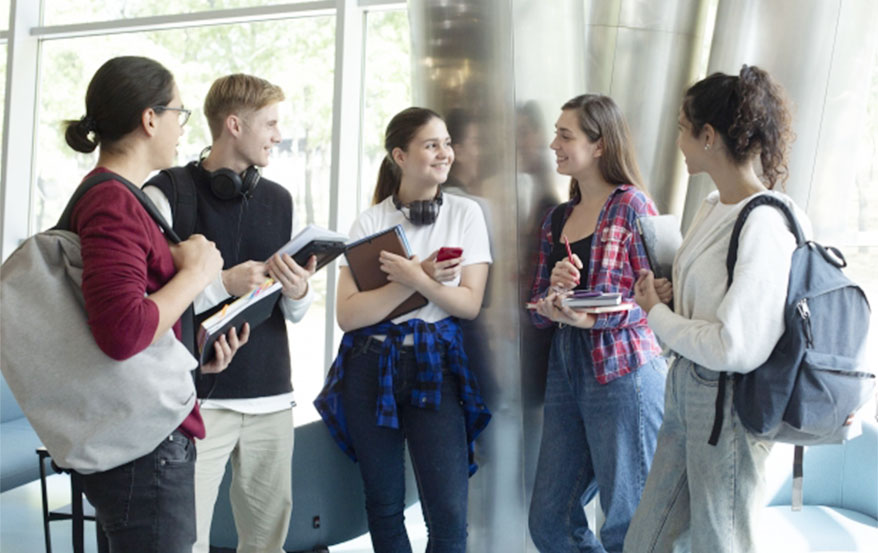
point(65, 12)
point(296, 54)
point(386, 87)
point(3, 53)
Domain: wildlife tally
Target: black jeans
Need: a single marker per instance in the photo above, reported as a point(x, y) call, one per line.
point(437, 446)
point(148, 504)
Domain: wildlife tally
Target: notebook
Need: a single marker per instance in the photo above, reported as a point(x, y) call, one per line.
point(661, 239)
point(362, 257)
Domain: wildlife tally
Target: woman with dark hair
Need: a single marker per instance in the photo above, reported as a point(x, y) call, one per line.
point(136, 287)
point(605, 381)
point(702, 497)
point(406, 380)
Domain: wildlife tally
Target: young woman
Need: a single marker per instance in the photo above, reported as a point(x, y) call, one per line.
point(407, 380)
point(136, 287)
point(606, 377)
point(701, 497)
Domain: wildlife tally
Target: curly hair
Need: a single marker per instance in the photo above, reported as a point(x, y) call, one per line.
point(750, 112)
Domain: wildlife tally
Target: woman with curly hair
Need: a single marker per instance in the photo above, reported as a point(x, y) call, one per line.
point(702, 497)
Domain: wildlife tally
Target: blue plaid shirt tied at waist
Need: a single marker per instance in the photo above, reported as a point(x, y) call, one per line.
point(431, 340)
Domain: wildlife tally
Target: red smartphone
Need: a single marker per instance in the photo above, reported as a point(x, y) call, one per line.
point(448, 253)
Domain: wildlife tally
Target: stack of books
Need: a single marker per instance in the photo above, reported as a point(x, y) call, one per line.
point(592, 301)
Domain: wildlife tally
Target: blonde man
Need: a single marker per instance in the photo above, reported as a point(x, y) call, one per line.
point(248, 410)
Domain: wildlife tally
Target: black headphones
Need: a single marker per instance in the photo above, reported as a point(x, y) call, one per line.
point(421, 212)
point(227, 184)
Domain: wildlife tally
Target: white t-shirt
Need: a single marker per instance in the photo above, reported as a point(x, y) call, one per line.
point(460, 223)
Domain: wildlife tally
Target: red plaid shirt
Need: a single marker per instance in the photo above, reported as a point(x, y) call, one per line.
point(622, 341)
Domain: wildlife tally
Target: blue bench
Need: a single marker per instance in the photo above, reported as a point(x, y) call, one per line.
point(840, 511)
point(18, 443)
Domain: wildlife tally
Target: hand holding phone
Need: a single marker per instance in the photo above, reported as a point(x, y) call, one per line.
point(446, 253)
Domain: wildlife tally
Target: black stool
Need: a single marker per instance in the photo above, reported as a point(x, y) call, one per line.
point(78, 511)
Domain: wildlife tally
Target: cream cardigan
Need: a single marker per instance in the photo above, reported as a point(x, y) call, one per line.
point(729, 329)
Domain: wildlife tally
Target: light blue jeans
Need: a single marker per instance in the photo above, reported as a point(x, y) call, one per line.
point(596, 437)
point(699, 497)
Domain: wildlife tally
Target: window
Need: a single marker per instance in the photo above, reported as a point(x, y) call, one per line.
point(290, 46)
point(387, 90)
point(65, 12)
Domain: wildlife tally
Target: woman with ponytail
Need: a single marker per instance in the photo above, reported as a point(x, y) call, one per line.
point(136, 286)
point(605, 379)
point(703, 497)
point(406, 381)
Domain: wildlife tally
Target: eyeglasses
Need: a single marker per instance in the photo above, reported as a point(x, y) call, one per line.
point(182, 113)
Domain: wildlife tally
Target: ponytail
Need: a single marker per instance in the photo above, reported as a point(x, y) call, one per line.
point(77, 134)
point(388, 181)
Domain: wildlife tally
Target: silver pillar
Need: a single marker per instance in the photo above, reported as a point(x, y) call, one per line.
point(822, 52)
point(644, 54)
point(511, 64)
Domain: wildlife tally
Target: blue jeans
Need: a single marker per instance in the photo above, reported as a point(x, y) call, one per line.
point(700, 497)
point(148, 504)
point(437, 446)
point(596, 437)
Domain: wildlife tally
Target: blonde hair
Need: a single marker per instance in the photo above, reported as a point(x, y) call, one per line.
point(237, 93)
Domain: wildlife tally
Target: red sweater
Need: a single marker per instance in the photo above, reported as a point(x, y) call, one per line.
point(125, 257)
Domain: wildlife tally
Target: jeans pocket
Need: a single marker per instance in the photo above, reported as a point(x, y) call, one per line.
point(176, 449)
point(704, 377)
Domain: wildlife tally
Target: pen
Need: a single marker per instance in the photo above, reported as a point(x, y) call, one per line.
point(570, 254)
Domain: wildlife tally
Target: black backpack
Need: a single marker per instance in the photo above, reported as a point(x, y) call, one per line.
point(808, 390)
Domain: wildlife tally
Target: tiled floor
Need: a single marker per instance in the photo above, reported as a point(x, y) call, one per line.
point(21, 523)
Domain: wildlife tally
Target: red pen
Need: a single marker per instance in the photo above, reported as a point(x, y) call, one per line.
point(569, 253)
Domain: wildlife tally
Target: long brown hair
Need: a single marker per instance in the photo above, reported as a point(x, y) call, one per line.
point(601, 119)
point(400, 132)
point(751, 114)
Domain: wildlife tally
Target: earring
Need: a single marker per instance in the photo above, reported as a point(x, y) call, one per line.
point(706, 147)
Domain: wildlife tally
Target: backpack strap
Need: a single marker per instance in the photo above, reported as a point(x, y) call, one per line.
point(761, 199)
point(731, 259)
point(94, 180)
point(184, 205)
point(184, 210)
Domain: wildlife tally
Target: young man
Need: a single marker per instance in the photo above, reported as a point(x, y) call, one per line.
point(247, 410)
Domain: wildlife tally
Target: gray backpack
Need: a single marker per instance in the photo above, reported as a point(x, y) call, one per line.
point(91, 412)
point(812, 384)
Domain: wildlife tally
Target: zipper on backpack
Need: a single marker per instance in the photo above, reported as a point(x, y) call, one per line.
point(805, 313)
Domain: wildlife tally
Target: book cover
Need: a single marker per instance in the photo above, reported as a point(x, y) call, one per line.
point(591, 298)
point(253, 308)
point(661, 238)
point(362, 257)
point(314, 240)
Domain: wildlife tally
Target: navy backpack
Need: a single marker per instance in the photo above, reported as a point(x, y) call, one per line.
point(808, 390)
